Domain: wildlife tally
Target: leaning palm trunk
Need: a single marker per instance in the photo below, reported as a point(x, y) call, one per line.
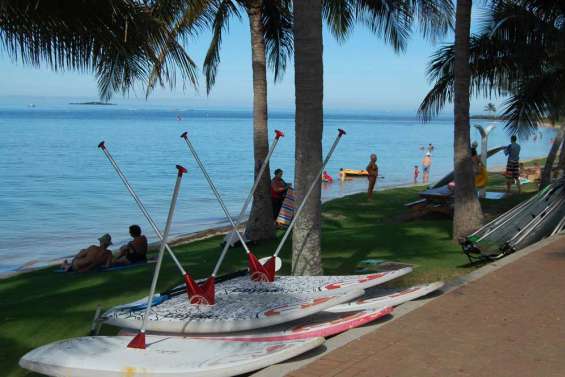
point(551, 156)
point(308, 81)
point(467, 215)
point(260, 225)
point(561, 165)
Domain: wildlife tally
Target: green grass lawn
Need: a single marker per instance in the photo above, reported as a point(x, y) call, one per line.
point(42, 306)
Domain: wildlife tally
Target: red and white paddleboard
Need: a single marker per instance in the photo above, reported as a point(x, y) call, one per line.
point(392, 299)
point(165, 356)
point(321, 324)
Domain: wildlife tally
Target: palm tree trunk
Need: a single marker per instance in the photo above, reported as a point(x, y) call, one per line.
point(260, 225)
point(551, 156)
point(308, 81)
point(467, 215)
point(561, 165)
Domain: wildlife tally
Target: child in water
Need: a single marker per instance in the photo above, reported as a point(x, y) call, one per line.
point(416, 173)
point(373, 172)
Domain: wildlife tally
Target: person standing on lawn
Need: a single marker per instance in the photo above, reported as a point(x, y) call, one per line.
point(513, 164)
point(372, 174)
point(278, 192)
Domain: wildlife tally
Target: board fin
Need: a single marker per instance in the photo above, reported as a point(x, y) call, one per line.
point(138, 341)
point(200, 294)
point(261, 272)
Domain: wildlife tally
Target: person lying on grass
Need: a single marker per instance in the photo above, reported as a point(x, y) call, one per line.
point(134, 252)
point(91, 257)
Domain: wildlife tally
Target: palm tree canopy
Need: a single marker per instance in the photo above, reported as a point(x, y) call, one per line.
point(490, 108)
point(391, 20)
point(277, 31)
point(520, 52)
point(119, 40)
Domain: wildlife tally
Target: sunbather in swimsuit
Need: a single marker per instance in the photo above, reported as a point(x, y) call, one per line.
point(135, 251)
point(91, 257)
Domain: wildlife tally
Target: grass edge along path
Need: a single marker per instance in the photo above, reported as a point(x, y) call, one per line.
point(43, 306)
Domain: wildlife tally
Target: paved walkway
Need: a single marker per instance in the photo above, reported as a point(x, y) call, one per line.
point(508, 323)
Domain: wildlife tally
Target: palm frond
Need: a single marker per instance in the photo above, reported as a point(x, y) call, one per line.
point(340, 17)
point(435, 17)
point(534, 98)
point(222, 10)
point(390, 20)
point(186, 21)
point(118, 40)
point(279, 42)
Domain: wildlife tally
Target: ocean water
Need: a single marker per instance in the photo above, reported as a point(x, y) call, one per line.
point(58, 193)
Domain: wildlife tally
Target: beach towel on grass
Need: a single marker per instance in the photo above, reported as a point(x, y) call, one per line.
point(113, 268)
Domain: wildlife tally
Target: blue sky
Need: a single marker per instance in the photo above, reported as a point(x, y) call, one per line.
point(361, 74)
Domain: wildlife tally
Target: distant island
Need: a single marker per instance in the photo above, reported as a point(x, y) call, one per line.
point(93, 103)
point(489, 117)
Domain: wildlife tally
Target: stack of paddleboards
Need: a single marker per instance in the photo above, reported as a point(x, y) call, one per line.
point(540, 216)
point(251, 326)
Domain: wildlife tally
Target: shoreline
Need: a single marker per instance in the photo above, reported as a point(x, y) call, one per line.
point(179, 240)
point(223, 229)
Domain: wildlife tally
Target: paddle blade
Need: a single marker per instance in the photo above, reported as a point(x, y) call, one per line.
point(138, 341)
point(259, 272)
point(200, 295)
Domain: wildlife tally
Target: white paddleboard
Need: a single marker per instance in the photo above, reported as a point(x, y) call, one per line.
point(392, 299)
point(320, 324)
point(230, 313)
point(301, 284)
point(307, 284)
point(165, 356)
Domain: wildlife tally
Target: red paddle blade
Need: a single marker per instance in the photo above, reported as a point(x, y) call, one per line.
point(259, 272)
point(200, 294)
point(138, 341)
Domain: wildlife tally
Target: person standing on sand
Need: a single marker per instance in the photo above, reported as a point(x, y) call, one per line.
point(426, 164)
point(416, 174)
point(372, 174)
point(513, 164)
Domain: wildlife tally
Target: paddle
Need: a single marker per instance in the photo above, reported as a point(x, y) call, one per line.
point(256, 268)
point(139, 340)
point(310, 189)
point(196, 293)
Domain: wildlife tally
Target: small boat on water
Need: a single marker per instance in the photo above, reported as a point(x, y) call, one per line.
point(353, 173)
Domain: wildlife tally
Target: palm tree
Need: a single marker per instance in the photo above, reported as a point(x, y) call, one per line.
point(490, 108)
point(270, 24)
point(392, 20)
point(467, 213)
point(519, 53)
point(118, 40)
point(309, 89)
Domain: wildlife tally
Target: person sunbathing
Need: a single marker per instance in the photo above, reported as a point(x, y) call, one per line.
point(91, 257)
point(135, 251)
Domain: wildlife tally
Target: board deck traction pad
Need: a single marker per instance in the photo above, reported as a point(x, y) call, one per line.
point(241, 283)
point(165, 356)
point(231, 313)
point(244, 305)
